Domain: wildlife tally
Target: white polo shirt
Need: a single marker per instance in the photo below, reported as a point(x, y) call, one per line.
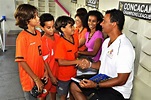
point(118, 58)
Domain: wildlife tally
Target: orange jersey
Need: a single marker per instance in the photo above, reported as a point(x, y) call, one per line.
point(48, 51)
point(28, 49)
point(81, 35)
point(67, 51)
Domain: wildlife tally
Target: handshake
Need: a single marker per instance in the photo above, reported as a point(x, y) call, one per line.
point(83, 63)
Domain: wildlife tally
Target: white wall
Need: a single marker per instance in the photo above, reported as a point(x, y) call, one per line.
point(7, 8)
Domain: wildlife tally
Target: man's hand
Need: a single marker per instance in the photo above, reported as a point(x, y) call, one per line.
point(87, 84)
point(85, 64)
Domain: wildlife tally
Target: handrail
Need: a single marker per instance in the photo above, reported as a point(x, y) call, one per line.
point(3, 31)
point(63, 8)
point(3, 18)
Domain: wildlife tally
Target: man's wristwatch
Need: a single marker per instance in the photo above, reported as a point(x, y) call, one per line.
point(97, 86)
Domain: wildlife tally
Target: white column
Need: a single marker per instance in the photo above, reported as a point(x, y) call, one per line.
point(4, 35)
point(36, 3)
point(46, 5)
point(26, 1)
point(1, 43)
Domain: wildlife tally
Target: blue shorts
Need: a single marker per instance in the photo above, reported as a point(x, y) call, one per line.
point(63, 87)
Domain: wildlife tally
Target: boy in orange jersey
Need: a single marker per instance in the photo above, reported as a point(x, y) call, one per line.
point(65, 54)
point(49, 41)
point(28, 50)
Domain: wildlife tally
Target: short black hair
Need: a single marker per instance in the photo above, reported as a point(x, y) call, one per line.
point(117, 16)
point(24, 13)
point(45, 17)
point(81, 11)
point(62, 21)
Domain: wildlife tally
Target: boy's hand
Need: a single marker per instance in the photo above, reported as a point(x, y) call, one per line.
point(54, 80)
point(39, 84)
point(46, 76)
point(84, 64)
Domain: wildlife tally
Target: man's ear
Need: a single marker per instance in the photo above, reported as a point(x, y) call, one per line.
point(114, 23)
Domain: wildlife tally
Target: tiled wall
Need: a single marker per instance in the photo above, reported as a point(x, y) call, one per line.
point(142, 83)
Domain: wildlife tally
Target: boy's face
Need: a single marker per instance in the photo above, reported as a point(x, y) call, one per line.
point(34, 22)
point(68, 30)
point(49, 27)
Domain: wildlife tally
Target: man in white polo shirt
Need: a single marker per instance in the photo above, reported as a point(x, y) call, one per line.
point(117, 61)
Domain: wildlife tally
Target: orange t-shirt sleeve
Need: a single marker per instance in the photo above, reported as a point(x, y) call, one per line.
point(20, 49)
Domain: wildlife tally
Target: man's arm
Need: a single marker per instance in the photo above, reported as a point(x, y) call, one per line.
point(87, 64)
point(121, 79)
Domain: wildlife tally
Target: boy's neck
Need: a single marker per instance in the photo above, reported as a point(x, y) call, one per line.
point(69, 38)
point(50, 36)
point(31, 29)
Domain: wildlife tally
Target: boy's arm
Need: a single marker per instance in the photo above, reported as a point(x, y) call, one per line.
point(69, 62)
point(52, 78)
point(32, 75)
point(46, 76)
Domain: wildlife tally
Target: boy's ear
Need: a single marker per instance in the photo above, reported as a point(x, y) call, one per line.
point(62, 29)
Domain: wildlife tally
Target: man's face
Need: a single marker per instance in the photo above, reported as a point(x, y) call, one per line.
point(107, 26)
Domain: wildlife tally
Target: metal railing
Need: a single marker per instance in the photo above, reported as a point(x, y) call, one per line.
point(3, 36)
point(62, 7)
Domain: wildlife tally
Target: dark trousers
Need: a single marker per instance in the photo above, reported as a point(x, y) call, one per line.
point(100, 94)
point(103, 94)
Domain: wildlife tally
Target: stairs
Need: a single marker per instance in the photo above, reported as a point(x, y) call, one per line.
point(42, 5)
